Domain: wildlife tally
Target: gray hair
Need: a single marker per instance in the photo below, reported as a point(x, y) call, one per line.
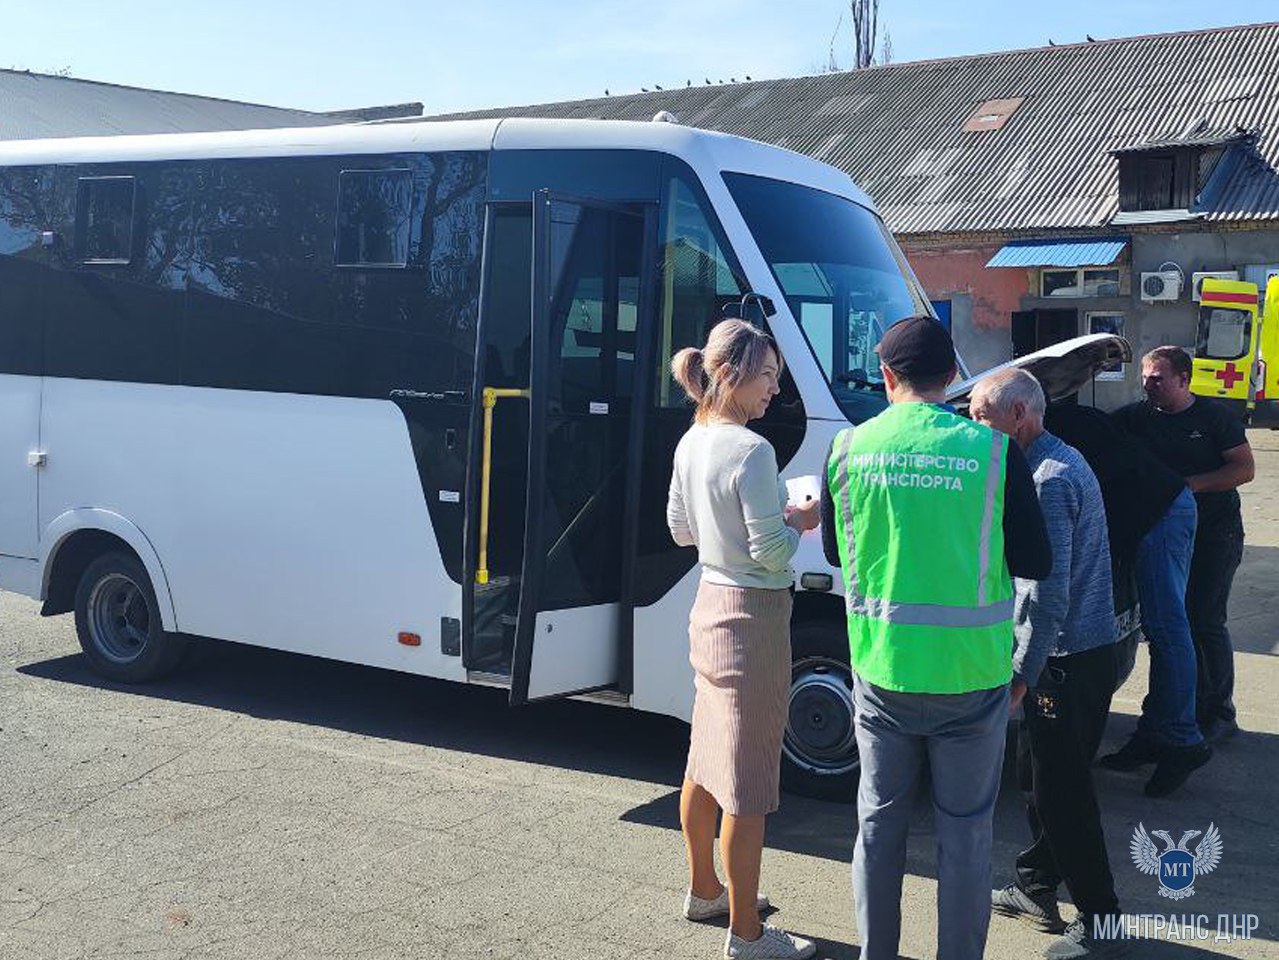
point(1003, 389)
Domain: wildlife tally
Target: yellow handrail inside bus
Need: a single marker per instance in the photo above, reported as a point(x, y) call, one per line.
point(490, 397)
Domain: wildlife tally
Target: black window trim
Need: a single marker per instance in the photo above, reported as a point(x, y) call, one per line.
point(338, 263)
point(82, 223)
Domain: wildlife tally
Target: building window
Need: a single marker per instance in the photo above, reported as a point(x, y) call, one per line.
point(1108, 323)
point(373, 221)
point(1086, 282)
point(1167, 180)
point(104, 219)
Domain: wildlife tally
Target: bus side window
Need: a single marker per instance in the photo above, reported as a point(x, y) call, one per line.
point(696, 280)
point(374, 207)
point(105, 219)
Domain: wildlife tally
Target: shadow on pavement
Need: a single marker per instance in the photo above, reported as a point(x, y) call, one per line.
point(623, 743)
point(372, 702)
point(1254, 605)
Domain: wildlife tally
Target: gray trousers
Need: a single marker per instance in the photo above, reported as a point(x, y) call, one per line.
point(961, 739)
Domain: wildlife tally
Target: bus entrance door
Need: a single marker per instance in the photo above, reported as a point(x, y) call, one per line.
point(591, 264)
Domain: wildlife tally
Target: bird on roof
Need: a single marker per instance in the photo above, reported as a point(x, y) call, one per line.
point(1089, 39)
point(708, 80)
point(732, 79)
point(643, 89)
point(606, 93)
point(1050, 42)
point(748, 76)
point(688, 83)
point(659, 86)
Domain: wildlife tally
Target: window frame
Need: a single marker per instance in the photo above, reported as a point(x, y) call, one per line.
point(1081, 280)
point(83, 204)
point(667, 394)
point(1104, 374)
point(1203, 334)
point(338, 262)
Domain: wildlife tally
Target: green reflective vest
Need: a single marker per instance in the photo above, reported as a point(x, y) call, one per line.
point(919, 504)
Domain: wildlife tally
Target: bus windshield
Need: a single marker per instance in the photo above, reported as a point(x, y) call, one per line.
point(842, 274)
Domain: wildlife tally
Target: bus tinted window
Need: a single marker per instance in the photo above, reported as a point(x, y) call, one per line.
point(697, 281)
point(104, 219)
point(842, 275)
point(374, 209)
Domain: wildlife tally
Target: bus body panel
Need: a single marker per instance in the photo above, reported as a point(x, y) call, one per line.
point(20, 439)
point(283, 521)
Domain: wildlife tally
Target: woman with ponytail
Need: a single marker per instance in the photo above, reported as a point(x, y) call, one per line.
point(726, 500)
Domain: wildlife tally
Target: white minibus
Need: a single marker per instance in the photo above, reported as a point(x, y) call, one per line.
point(398, 394)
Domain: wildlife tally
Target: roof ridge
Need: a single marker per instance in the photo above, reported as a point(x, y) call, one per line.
point(661, 96)
point(171, 93)
point(1055, 46)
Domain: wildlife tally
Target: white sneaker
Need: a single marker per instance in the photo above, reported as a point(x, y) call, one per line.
point(774, 943)
point(699, 910)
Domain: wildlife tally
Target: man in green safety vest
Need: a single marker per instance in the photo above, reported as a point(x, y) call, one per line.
point(928, 514)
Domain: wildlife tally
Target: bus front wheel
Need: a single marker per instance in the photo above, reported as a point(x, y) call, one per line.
point(118, 621)
point(819, 746)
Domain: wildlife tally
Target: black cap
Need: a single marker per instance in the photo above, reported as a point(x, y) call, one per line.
point(917, 348)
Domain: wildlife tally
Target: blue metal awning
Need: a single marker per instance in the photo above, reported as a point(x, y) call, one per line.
point(1090, 252)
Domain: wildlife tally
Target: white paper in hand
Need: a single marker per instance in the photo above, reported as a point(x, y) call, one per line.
point(799, 490)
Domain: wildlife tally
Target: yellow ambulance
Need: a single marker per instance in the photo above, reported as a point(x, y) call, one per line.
point(1236, 354)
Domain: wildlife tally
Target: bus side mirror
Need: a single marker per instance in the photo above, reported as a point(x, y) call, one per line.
point(753, 307)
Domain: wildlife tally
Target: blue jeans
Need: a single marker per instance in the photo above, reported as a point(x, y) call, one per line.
point(960, 737)
point(1163, 569)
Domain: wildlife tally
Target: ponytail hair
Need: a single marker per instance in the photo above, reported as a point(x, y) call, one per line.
point(689, 369)
point(735, 352)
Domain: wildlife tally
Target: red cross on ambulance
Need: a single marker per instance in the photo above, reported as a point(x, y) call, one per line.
point(1229, 375)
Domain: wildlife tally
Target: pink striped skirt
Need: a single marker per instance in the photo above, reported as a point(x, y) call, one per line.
point(739, 646)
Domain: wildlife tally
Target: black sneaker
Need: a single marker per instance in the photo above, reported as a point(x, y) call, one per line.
point(1038, 912)
point(1078, 941)
point(1176, 765)
point(1137, 752)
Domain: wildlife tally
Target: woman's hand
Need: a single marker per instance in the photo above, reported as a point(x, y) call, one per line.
point(804, 517)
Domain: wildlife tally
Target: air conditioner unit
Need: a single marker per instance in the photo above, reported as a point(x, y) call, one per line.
point(1161, 286)
point(1197, 279)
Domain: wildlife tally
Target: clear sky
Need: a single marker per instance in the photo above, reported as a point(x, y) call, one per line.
point(463, 54)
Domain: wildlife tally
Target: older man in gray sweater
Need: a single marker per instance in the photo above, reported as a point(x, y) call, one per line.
point(1064, 672)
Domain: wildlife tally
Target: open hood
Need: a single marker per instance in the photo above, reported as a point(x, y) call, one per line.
point(1063, 368)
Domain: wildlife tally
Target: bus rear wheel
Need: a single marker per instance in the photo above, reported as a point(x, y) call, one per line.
point(819, 746)
point(118, 622)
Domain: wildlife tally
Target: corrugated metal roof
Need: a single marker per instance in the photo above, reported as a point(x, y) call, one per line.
point(897, 129)
point(1091, 252)
point(35, 105)
point(1201, 135)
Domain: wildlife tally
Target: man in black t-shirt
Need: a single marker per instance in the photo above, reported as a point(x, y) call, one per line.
point(1151, 517)
point(1204, 442)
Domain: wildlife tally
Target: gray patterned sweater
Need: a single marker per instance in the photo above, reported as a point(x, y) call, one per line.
point(1073, 609)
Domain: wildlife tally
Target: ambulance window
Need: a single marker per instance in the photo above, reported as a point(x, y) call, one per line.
point(1223, 333)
